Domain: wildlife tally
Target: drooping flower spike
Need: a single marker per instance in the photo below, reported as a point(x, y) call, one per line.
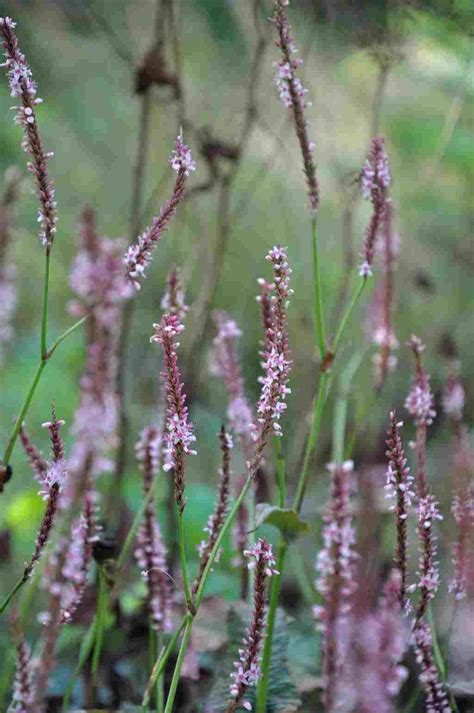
point(139, 256)
point(23, 87)
point(436, 697)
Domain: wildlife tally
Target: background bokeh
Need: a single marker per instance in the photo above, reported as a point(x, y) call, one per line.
point(84, 55)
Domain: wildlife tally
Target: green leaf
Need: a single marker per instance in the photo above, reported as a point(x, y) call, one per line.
point(288, 522)
point(282, 693)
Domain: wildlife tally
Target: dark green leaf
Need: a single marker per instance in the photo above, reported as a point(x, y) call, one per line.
point(288, 522)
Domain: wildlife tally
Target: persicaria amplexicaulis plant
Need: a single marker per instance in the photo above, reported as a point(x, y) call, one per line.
point(367, 615)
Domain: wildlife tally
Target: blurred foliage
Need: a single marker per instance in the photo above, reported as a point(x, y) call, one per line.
point(83, 54)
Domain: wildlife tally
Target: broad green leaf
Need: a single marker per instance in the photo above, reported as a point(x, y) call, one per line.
point(288, 522)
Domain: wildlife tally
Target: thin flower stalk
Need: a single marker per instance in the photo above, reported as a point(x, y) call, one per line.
point(52, 482)
point(399, 488)
point(23, 687)
point(247, 671)
point(23, 87)
point(336, 575)
point(8, 292)
point(225, 364)
point(374, 183)
point(216, 519)
point(276, 363)
point(173, 300)
point(420, 405)
point(179, 433)
point(292, 93)
point(150, 551)
point(139, 256)
point(436, 698)
point(462, 509)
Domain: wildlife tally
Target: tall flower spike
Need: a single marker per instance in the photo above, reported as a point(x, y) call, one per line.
point(216, 519)
point(247, 672)
point(225, 364)
point(336, 575)
point(23, 86)
point(436, 698)
point(150, 552)
point(374, 183)
point(399, 487)
point(139, 256)
point(52, 482)
point(179, 434)
point(428, 566)
point(38, 464)
point(276, 363)
point(292, 94)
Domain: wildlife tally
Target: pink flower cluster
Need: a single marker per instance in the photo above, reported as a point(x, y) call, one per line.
point(436, 698)
point(139, 256)
point(335, 566)
point(247, 667)
point(179, 433)
point(399, 487)
point(428, 566)
point(374, 182)
point(225, 364)
point(372, 674)
point(24, 87)
point(453, 398)
point(275, 364)
point(23, 685)
point(150, 552)
point(420, 401)
point(462, 509)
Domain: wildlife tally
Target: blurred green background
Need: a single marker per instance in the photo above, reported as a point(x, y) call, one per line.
point(84, 55)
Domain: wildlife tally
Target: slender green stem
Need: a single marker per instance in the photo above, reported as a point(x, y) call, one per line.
point(102, 607)
point(313, 437)
point(228, 522)
point(65, 335)
point(318, 298)
point(44, 313)
point(346, 316)
point(22, 414)
point(184, 568)
point(281, 474)
point(439, 656)
point(179, 664)
point(160, 664)
point(340, 409)
point(134, 527)
point(160, 684)
point(12, 593)
point(32, 389)
point(262, 692)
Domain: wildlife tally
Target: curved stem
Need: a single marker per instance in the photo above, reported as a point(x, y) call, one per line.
point(313, 437)
point(160, 665)
point(281, 474)
point(346, 316)
point(179, 664)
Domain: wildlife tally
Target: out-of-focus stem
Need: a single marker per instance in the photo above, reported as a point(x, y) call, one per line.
point(160, 664)
point(318, 298)
point(44, 313)
point(184, 568)
point(281, 474)
point(179, 664)
point(346, 316)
